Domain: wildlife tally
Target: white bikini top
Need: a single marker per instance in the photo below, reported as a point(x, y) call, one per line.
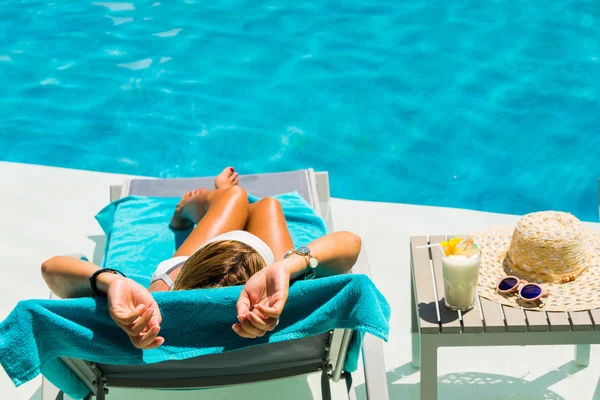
point(167, 266)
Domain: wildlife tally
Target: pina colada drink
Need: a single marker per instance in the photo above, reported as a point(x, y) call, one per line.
point(460, 269)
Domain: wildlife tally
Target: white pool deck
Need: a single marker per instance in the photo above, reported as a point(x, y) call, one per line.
point(48, 211)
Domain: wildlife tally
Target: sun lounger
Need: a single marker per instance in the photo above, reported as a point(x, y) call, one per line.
point(325, 353)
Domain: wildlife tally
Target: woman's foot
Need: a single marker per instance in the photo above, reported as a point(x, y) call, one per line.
point(189, 210)
point(227, 177)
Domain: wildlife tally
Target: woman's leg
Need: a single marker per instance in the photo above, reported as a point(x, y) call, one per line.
point(214, 211)
point(266, 220)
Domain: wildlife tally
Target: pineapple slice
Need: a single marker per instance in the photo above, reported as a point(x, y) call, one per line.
point(450, 246)
point(460, 246)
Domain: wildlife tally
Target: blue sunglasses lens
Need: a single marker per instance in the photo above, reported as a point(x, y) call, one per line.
point(508, 283)
point(530, 291)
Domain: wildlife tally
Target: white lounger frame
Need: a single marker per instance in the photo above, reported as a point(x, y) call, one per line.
point(373, 360)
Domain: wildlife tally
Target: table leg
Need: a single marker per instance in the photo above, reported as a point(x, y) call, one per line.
point(428, 369)
point(416, 349)
point(582, 354)
point(415, 336)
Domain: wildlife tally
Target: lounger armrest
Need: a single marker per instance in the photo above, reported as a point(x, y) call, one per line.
point(374, 366)
point(372, 352)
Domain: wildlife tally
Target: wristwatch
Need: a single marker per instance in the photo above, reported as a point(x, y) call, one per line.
point(311, 264)
point(95, 276)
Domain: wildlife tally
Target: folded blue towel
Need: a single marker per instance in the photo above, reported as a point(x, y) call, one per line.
point(195, 322)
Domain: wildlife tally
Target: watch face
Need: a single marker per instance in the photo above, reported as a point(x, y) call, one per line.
point(303, 250)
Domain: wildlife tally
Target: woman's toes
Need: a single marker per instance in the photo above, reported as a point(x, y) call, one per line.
point(223, 180)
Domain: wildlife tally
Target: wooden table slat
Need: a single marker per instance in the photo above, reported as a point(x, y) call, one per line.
point(515, 319)
point(450, 319)
point(581, 321)
point(536, 321)
point(492, 316)
point(472, 322)
point(426, 301)
point(559, 322)
point(595, 313)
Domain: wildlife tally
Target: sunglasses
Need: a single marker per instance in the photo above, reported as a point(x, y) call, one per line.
point(527, 292)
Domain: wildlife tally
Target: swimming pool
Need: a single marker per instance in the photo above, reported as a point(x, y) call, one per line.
point(483, 105)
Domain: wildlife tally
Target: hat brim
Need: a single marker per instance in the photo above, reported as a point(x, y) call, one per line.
point(579, 295)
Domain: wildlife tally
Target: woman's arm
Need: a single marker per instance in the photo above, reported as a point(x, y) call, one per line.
point(336, 253)
point(264, 295)
point(130, 305)
point(69, 277)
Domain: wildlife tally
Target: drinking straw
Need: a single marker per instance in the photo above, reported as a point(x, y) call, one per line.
point(437, 245)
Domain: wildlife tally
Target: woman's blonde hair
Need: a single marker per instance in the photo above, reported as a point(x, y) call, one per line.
point(221, 263)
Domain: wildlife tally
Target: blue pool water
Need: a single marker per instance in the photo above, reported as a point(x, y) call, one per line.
point(491, 105)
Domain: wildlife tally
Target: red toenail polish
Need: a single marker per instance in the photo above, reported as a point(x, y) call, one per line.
point(231, 169)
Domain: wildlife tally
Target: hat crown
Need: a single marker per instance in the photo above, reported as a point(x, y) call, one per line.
point(547, 246)
point(551, 226)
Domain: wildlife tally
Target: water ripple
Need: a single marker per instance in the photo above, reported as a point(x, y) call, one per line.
point(172, 32)
point(50, 81)
point(66, 66)
point(114, 6)
point(119, 20)
point(141, 64)
point(114, 52)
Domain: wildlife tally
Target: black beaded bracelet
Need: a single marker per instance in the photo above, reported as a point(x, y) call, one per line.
point(95, 275)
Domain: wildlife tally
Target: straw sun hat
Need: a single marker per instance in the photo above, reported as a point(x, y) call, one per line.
point(550, 248)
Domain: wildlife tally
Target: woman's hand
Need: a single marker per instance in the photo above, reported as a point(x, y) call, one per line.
point(134, 310)
point(262, 300)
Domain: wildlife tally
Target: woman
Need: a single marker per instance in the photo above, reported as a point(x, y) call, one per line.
point(233, 243)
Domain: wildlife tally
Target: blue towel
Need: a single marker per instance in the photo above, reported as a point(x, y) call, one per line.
point(37, 332)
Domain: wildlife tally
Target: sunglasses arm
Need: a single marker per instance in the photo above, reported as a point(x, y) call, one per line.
point(529, 303)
